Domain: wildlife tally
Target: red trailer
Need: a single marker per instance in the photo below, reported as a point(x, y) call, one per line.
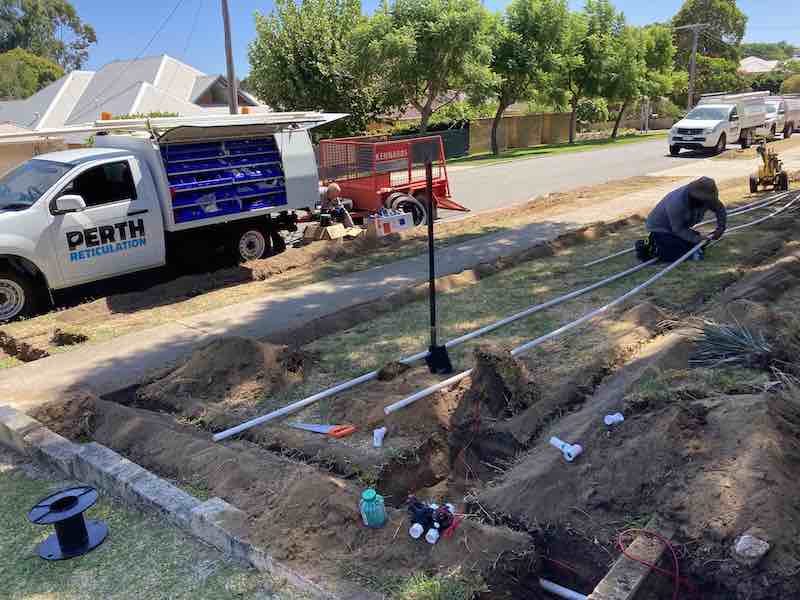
point(382, 173)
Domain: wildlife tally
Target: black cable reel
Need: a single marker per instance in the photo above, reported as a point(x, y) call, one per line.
point(74, 536)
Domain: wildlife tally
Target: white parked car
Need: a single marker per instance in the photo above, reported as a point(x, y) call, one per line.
point(720, 119)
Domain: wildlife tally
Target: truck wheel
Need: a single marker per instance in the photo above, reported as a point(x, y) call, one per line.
point(772, 133)
point(674, 150)
point(411, 205)
point(753, 184)
point(722, 143)
point(788, 130)
point(783, 181)
point(18, 296)
point(251, 243)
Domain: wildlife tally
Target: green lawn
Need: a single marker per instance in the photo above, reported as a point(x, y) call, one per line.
point(487, 158)
point(142, 559)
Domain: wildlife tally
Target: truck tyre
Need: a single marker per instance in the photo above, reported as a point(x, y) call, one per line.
point(773, 135)
point(722, 143)
point(674, 150)
point(788, 130)
point(251, 243)
point(409, 204)
point(753, 184)
point(18, 296)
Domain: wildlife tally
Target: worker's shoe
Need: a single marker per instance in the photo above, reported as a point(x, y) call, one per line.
point(645, 249)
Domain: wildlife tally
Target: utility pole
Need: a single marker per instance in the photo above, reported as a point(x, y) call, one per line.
point(696, 28)
point(233, 93)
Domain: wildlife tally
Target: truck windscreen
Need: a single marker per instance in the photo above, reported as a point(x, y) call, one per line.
point(23, 186)
point(708, 113)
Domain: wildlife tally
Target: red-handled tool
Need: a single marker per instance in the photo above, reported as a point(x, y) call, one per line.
point(337, 431)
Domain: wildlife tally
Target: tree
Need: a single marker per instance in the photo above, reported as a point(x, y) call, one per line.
point(642, 66)
point(301, 59)
point(718, 75)
point(791, 85)
point(51, 29)
point(426, 53)
point(722, 37)
point(769, 51)
point(588, 55)
point(22, 74)
point(526, 49)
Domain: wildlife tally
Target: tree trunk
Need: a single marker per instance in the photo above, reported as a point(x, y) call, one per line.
point(619, 120)
point(572, 119)
point(498, 116)
point(424, 119)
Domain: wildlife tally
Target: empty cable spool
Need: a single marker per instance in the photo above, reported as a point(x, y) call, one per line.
point(74, 536)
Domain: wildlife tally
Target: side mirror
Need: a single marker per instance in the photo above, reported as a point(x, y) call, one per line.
point(69, 203)
point(734, 118)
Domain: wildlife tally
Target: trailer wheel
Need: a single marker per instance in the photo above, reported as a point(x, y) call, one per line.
point(251, 243)
point(18, 296)
point(783, 181)
point(753, 184)
point(409, 204)
point(746, 139)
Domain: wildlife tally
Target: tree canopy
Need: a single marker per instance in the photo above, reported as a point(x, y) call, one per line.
point(527, 46)
point(722, 37)
point(426, 53)
point(770, 50)
point(301, 59)
point(50, 29)
point(791, 85)
point(22, 74)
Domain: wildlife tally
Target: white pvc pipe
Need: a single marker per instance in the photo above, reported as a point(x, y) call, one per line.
point(346, 385)
point(561, 591)
point(540, 340)
point(572, 325)
point(740, 210)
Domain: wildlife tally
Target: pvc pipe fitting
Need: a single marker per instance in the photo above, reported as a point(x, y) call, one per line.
point(561, 591)
point(570, 451)
point(377, 437)
point(614, 419)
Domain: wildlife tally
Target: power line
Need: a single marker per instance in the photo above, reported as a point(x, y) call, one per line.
point(98, 99)
point(188, 41)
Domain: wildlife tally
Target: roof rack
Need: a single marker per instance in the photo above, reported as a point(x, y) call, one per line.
point(160, 125)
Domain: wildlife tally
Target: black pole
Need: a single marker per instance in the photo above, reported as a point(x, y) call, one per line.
point(438, 360)
point(431, 251)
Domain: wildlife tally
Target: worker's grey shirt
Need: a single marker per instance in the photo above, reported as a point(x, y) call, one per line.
point(675, 214)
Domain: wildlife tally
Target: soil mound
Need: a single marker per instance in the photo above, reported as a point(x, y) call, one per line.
point(72, 415)
point(233, 371)
point(20, 350)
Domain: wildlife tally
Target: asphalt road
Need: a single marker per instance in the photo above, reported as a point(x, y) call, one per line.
point(504, 184)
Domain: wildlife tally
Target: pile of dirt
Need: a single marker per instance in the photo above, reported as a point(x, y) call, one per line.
point(233, 371)
point(72, 415)
point(67, 338)
point(20, 350)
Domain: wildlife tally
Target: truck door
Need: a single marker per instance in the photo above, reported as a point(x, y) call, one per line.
point(119, 231)
point(735, 127)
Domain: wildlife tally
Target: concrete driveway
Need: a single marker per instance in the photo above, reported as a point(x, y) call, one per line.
point(494, 186)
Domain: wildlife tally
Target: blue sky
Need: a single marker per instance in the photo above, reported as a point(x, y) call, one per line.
point(123, 32)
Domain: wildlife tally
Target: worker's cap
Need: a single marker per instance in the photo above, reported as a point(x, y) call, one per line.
point(704, 190)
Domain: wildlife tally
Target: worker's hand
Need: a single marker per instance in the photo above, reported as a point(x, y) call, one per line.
point(716, 234)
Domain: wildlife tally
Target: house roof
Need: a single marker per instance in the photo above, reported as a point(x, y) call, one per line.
point(754, 64)
point(150, 84)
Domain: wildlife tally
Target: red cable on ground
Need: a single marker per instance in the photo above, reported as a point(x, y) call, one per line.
point(672, 574)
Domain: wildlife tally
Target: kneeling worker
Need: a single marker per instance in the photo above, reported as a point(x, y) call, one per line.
point(331, 200)
point(670, 222)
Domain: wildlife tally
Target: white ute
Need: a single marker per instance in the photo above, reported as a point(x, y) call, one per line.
point(172, 186)
point(783, 116)
point(720, 119)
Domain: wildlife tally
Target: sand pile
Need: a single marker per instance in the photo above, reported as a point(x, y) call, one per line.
point(234, 372)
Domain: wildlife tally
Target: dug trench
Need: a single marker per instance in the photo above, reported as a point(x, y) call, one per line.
point(693, 449)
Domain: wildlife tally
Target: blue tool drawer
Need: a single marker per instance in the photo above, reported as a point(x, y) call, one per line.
point(212, 179)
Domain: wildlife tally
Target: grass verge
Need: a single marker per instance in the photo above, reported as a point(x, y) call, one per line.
point(487, 158)
point(142, 559)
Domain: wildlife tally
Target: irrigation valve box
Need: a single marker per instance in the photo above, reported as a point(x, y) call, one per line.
point(382, 225)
